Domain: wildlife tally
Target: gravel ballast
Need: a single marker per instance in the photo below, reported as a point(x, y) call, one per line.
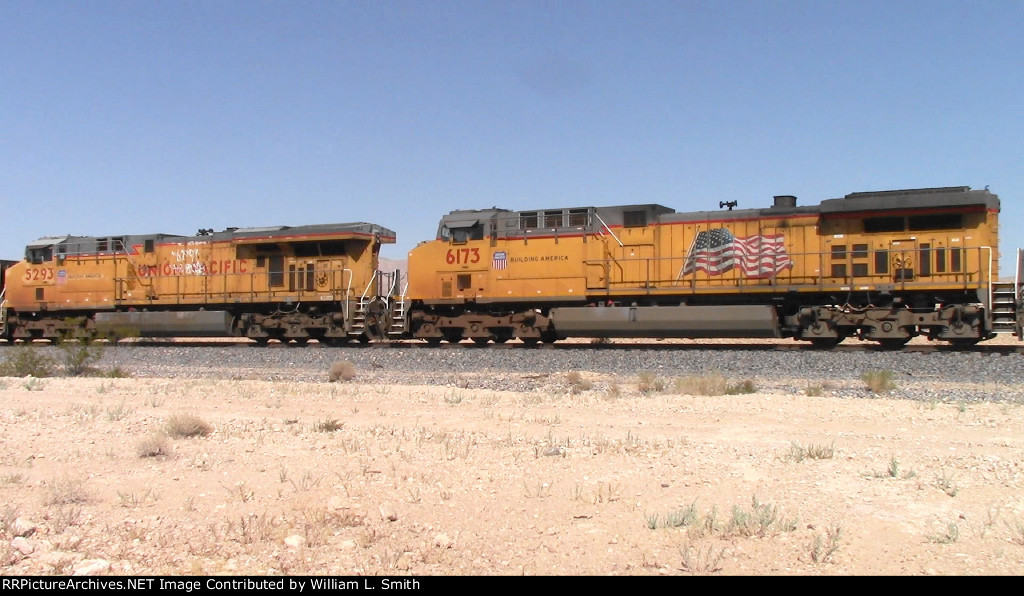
point(928, 376)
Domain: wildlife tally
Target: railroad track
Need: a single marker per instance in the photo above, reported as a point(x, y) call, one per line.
point(649, 345)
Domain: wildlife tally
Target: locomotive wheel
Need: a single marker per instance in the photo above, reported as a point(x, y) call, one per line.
point(452, 337)
point(500, 339)
point(261, 341)
point(434, 341)
point(530, 341)
point(481, 341)
point(825, 343)
point(893, 344)
point(961, 344)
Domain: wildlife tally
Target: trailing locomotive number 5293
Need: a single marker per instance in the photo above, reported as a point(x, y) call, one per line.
point(39, 274)
point(462, 256)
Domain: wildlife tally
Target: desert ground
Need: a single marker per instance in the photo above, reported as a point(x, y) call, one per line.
point(582, 474)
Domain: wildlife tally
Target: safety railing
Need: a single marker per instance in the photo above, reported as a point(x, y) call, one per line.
point(970, 268)
point(228, 288)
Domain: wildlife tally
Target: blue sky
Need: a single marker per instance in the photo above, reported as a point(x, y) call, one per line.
point(139, 117)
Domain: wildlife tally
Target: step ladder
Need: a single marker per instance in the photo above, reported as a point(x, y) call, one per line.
point(1004, 307)
point(388, 288)
point(1007, 306)
point(398, 323)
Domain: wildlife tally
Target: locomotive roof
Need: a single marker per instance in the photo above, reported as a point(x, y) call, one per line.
point(356, 228)
point(946, 197)
point(270, 232)
point(937, 198)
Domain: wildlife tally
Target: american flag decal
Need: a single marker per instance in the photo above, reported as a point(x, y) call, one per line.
point(717, 251)
point(498, 261)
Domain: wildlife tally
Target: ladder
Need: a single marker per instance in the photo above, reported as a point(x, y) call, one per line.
point(390, 291)
point(1007, 307)
point(1004, 307)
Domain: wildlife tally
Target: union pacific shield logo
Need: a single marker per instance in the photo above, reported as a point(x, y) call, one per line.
point(499, 260)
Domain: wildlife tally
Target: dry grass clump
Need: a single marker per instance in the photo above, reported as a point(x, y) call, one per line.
point(155, 445)
point(180, 426)
point(799, 453)
point(328, 425)
point(648, 382)
point(712, 384)
point(342, 370)
point(762, 519)
point(66, 491)
point(577, 384)
point(878, 381)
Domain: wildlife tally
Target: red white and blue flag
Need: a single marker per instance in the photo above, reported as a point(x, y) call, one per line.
point(717, 251)
point(499, 260)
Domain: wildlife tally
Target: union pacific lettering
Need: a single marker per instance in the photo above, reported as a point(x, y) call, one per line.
point(223, 267)
point(539, 259)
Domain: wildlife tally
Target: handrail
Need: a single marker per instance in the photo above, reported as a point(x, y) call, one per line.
point(989, 306)
point(368, 286)
point(608, 228)
point(1016, 276)
point(3, 312)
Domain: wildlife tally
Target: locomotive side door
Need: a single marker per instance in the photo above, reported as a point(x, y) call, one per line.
point(597, 263)
point(325, 278)
point(903, 257)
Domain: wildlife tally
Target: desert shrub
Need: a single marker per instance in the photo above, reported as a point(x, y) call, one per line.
point(741, 388)
point(712, 384)
point(328, 425)
point(180, 426)
point(26, 361)
point(116, 372)
point(878, 381)
point(648, 382)
point(799, 453)
point(154, 445)
point(577, 384)
point(66, 491)
point(342, 370)
point(79, 357)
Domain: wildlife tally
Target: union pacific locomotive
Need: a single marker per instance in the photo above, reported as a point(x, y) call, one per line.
point(884, 266)
point(285, 283)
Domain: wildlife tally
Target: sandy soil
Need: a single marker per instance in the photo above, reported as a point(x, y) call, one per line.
point(590, 477)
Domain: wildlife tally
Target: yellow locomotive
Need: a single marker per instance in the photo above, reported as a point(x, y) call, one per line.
point(885, 266)
point(285, 283)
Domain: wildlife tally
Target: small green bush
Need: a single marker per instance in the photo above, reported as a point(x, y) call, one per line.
point(79, 357)
point(27, 361)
